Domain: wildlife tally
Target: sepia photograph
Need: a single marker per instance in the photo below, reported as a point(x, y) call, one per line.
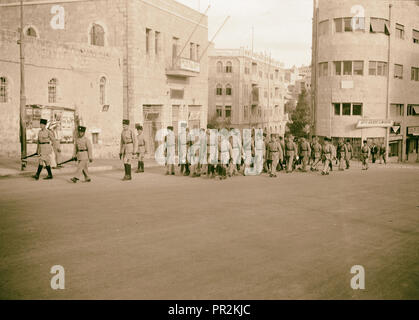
point(209, 150)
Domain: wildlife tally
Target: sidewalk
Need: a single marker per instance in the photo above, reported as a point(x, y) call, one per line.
point(10, 167)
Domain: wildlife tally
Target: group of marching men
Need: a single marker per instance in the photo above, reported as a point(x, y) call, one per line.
point(210, 152)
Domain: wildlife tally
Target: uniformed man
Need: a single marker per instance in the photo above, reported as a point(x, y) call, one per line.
point(334, 154)
point(290, 151)
point(317, 154)
point(374, 151)
point(281, 158)
point(383, 154)
point(266, 161)
point(45, 145)
point(224, 153)
point(348, 155)
point(212, 152)
point(170, 141)
point(273, 153)
point(305, 151)
point(84, 153)
point(341, 151)
point(365, 154)
point(142, 148)
point(237, 151)
point(327, 154)
point(128, 148)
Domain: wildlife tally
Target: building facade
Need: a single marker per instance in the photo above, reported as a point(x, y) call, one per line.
point(68, 85)
point(365, 73)
point(163, 45)
point(246, 90)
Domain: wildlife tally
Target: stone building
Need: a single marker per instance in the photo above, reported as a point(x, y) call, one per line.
point(246, 90)
point(366, 73)
point(163, 43)
point(68, 84)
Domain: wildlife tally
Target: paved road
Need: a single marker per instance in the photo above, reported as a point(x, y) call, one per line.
point(160, 237)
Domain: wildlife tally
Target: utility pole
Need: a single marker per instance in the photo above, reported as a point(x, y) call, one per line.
point(22, 90)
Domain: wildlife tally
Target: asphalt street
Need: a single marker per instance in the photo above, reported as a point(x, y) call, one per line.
point(163, 237)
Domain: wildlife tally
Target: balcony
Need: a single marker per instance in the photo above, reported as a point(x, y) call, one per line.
point(185, 68)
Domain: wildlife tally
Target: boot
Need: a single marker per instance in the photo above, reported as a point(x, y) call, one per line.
point(126, 172)
point(138, 167)
point(49, 176)
point(142, 166)
point(38, 172)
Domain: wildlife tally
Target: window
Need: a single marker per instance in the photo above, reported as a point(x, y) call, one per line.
point(277, 92)
point(95, 137)
point(358, 68)
point(191, 51)
point(102, 91)
point(415, 74)
point(336, 107)
point(347, 68)
point(219, 67)
point(348, 24)
point(396, 110)
point(229, 67)
point(415, 36)
point(219, 90)
point(399, 31)
point(323, 27)
point(378, 25)
point(175, 42)
point(3, 90)
point(276, 74)
point(357, 109)
point(228, 90)
point(228, 111)
point(254, 68)
point(198, 52)
point(398, 71)
point(323, 69)
point(245, 112)
point(219, 111)
point(147, 40)
point(346, 109)
point(413, 109)
point(52, 91)
point(338, 25)
point(30, 32)
point(337, 68)
point(156, 42)
point(177, 94)
point(377, 68)
point(97, 35)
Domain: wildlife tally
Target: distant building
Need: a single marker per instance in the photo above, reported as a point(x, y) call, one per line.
point(366, 73)
point(246, 90)
point(163, 45)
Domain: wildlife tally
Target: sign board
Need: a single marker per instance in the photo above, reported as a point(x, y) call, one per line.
point(413, 130)
point(189, 65)
point(374, 123)
point(347, 84)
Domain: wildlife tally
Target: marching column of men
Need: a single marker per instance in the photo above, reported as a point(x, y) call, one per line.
point(220, 153)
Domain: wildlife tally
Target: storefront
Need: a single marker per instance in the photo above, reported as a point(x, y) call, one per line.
point(412, 144)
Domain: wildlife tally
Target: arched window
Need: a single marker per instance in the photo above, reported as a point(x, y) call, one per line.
point(219, 67)
point(97, 35)
point(52, 90)
point(229, 67)
point(219, 90)
point(31, 32)
point(102, 91)
point(229, 91)
point(3, 90)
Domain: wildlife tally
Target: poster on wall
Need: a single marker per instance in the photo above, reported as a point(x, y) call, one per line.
point(61, 122)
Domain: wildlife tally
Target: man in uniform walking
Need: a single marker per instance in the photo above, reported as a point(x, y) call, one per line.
point(317, 153)
point(45, 145)
point(383, 154)
point(83, 152)
point(341, 154)
point(290, 150)
point(170, 141)
point(328, 155)
point(128, 148)
point(365, 154)
point(374, 150)
point(274, 151)
point(348, 155)
point(142, 148)
point(305, 153)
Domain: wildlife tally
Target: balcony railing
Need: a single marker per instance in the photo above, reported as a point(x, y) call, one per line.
point(183, 67)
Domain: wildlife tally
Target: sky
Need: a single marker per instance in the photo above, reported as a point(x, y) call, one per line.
point(282, 28)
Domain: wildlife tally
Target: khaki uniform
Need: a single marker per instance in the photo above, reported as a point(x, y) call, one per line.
point(142, 149)
point(170, 141)
point(291, 150)
point(83, 152)
point(128, 145)
point(342, 155)
point(274, 152)
point(348, 154)
point(317, 154)
point(305, 154)
point(328, 156)
point(46, 143)
point(365, 154)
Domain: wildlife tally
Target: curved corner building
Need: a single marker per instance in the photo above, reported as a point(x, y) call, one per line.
point(366, 73)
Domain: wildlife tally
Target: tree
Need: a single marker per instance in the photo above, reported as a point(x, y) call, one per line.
point(301, 117)
point(219, 123)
